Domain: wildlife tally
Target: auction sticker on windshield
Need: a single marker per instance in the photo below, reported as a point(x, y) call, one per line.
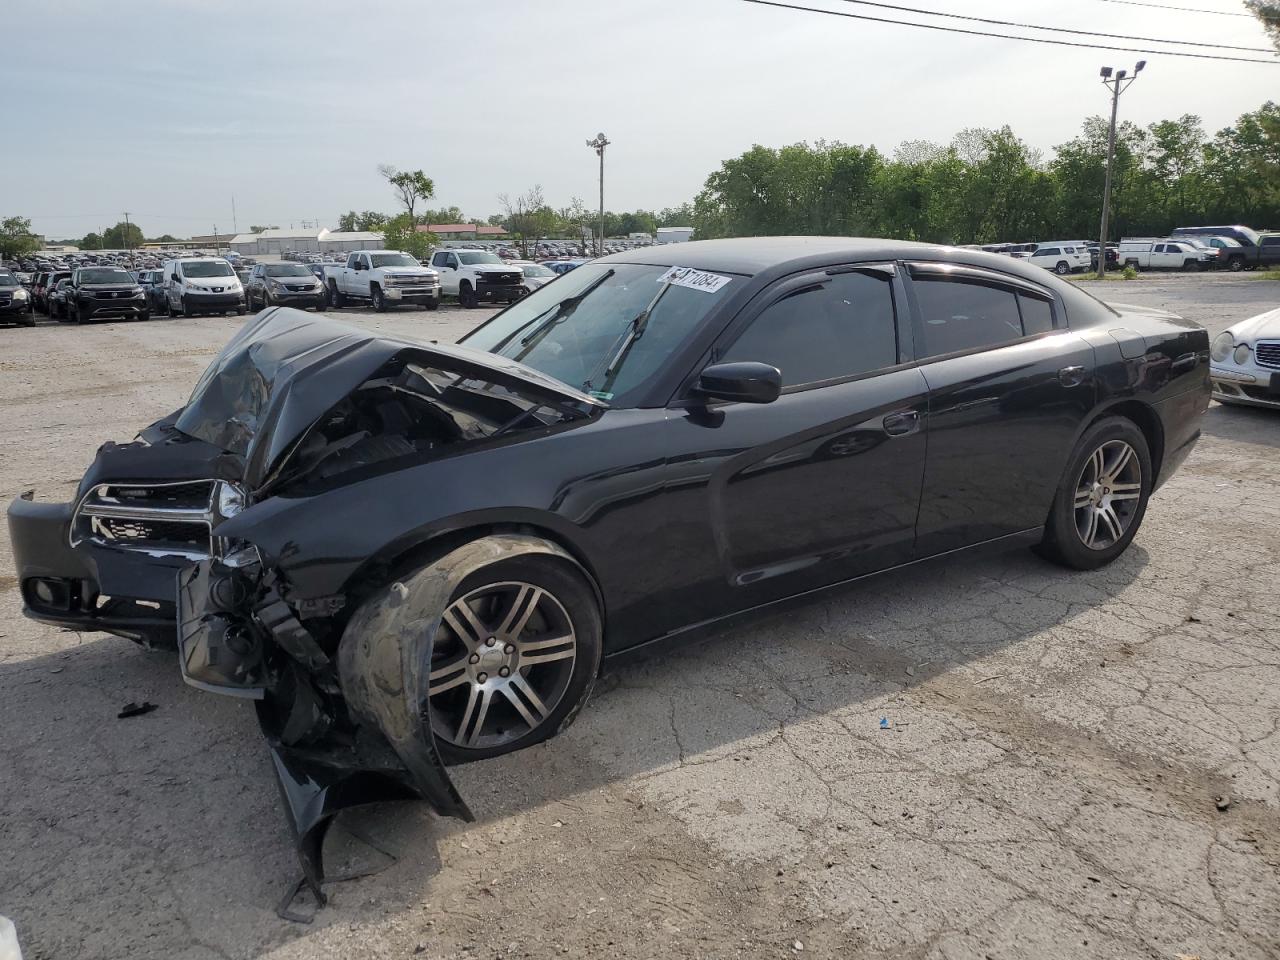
point(694, 279)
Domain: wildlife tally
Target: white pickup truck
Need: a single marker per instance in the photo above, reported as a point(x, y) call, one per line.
point(383, 278)
point(477, 276)
point(1154, 253)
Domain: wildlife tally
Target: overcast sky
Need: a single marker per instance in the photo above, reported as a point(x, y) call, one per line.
point(170, 108)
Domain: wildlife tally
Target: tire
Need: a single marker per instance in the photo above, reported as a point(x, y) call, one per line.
point(241, 311)
point(1062, 269)
point(145, 315)
point(336, 300)
point(1131, 263)
point(1078, 533)
point(1235, 264)
point(557, 623)
point(467, 296)
point(431, 305)
point(30, 319)
point(1190, 264)
point(379, 298)
point(176, 311)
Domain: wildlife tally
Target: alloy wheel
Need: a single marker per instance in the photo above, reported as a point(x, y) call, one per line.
point(501, 663)
point(1108, 491)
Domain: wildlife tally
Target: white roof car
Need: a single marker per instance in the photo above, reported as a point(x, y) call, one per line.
point(1244, 362)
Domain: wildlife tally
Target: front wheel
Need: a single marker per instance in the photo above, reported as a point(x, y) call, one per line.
point(1102, 498)
point(336, 300)
point(379, 299)
point(467, 296)
point(431, 305)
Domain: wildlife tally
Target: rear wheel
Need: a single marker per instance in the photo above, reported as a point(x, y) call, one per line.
point(1235, 264)
point(1062, 268)
point(1102, 498)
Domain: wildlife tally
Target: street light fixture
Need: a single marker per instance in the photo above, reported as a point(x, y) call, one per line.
point(1117, 85)
point(598, 144)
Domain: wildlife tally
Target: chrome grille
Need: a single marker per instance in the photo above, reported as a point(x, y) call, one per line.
point(1267, 353)
point(165, 518)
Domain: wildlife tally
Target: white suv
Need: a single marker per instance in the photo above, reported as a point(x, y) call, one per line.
point(1061, 256)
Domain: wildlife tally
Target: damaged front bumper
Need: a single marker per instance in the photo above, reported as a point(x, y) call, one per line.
point(338, 738)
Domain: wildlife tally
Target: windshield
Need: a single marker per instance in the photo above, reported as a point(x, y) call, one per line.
point(8, 279)
point(576, 327)
point(287, 270)
point(537, 270)
point(105, 275)
point(206, 268)
point(393, 260)
point(479, 257)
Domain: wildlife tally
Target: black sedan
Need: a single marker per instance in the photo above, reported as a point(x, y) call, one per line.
point(412, 554)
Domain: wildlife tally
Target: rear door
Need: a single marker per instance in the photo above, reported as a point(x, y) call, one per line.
point(1009, 387)
point(824, 483)
point(1269, 250)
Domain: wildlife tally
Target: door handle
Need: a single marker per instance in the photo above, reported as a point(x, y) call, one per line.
point(901, 423)
point(1071, 376)
point(1187, 361)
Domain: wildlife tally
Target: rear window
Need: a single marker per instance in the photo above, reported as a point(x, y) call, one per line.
point(961, 315)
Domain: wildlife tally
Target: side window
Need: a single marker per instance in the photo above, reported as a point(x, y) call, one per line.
point(451, 261)
point(1048, 252)
point(438, 260)
point(1273, 241)
point(1037, 314)
point(963, 315)
point(351, 261)
point(840, 326)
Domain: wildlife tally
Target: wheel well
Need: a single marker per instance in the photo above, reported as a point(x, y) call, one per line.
point(1145, 419)
point(381, 570)
point(464, 283)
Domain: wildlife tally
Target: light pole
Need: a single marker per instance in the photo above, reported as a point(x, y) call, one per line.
point(127, 245)
point(598, 144)
point(1117, 86)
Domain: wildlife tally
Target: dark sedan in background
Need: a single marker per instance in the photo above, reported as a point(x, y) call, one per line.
point(15, 301)
point(410, 554)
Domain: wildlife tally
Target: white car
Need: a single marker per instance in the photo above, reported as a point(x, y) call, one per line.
point(1245, 362)
point(535, 274)
point(1061, 258)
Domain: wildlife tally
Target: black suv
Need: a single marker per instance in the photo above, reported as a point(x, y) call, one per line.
point(105, 292)
point(15, 301)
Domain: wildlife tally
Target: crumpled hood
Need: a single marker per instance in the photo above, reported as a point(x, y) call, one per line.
point(286, 368)
point(1263, 326)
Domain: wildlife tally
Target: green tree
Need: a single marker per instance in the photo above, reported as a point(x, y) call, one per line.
point(16, 238)
point(256, 229)
point(409, 186)
point(401, 233)
point(122, 236)
point(165, 238)
point(90, 241)
point(1268, 11)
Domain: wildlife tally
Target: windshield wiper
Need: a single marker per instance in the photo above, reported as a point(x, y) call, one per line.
point(618, 352)
point(560, 311)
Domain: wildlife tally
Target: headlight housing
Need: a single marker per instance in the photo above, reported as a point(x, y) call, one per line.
point(1241, 356)
point(20, 294)
point(1221, 346)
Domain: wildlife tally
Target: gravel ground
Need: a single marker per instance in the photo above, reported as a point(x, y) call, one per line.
point(995, 758)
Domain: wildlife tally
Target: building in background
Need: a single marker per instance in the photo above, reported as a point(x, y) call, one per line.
point(674, 234)
point(464, 231)
point(277, 241)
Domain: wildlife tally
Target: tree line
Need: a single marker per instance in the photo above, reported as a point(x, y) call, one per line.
point(988, 185)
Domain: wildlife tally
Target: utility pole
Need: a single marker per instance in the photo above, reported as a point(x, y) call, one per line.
point(217, 243)
point(235, 227)
point(1117, 86)
point(127, 230)
point(598, 144)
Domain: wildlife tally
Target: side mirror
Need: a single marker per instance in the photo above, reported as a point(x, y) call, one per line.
point(174, 277)
point(744, 382)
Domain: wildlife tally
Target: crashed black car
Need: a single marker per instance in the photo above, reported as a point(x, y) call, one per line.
point(414, 554)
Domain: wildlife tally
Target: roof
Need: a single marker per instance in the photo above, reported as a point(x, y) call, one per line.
point(491, 230)
point(347, 235)
point(447, 228)
point(752, 255)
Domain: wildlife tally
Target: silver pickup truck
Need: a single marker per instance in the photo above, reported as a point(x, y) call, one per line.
point(382, 278)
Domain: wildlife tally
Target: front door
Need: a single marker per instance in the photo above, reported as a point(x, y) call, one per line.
point(823, 484)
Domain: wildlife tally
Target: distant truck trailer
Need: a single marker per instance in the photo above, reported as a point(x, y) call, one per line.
point(674, 234)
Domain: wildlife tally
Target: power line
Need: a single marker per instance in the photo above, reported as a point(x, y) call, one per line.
point(1163, 6)
point(1006, 36)
point(1034, 26)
